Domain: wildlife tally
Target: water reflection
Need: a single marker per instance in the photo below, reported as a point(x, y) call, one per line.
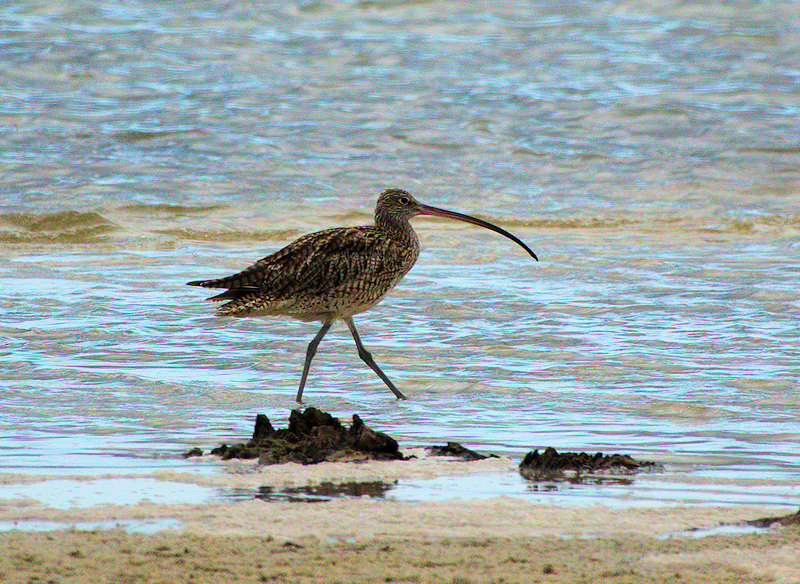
point(463, 487)
point(546, 482)
point(324, 491)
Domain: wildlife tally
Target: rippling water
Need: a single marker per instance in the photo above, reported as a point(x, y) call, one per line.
point(648, 152)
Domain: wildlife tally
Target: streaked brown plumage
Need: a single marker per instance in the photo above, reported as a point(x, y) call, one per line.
point(335, 273)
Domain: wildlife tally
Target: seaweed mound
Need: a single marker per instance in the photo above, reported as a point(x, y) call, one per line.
point(456, 450)
point(553, 465)
point(313, 436)
point(785, 520)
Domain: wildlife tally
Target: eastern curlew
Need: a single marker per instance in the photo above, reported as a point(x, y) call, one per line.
point(336, 273)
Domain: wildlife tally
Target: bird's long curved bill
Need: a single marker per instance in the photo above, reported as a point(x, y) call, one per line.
point(426, 210)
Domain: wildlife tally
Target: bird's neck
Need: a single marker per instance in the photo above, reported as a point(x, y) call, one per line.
point(400, 231)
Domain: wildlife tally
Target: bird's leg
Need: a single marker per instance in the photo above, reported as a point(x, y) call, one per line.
point(366, 356)
point(312, 350)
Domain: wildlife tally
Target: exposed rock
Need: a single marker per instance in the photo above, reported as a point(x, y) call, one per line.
point(791, 519)
point(552, 465)
point(455, 449)
point(312, 436)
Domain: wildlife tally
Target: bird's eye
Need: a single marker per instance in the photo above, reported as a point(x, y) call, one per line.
point(404, 200)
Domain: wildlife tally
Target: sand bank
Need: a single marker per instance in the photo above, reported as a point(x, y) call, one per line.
point(375, 539)
point(117, 556)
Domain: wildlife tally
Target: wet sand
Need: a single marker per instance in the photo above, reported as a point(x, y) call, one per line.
point(348, 540)
point(117, 556)
point(362, 539)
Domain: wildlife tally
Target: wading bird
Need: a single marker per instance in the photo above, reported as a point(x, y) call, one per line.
point(336, 273)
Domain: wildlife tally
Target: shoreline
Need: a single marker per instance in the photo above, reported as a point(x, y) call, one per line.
point(172, 557)
point(229, 533)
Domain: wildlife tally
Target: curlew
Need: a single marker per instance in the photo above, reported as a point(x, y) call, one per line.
point(336, 273)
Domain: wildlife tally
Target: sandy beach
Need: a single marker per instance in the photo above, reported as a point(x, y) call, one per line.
point(118, 556)
point(366, 539)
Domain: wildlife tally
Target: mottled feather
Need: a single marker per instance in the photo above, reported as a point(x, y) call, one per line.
point(328, 274)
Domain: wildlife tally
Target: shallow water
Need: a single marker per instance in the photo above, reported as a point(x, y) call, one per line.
point(647, 152)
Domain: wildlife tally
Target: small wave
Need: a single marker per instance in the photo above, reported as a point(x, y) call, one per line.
point(60, 227)
point(130, 136)
point(228, 236)
point(705, 224)
point(573, 223)
point(165, 209)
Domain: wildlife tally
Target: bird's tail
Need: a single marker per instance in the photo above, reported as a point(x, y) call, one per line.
point(238, 286)
point(248, 279)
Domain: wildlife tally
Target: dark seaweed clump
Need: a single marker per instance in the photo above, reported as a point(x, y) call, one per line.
point(456, 450)
point(312, 436)
point(785, 520)
point(553, 465)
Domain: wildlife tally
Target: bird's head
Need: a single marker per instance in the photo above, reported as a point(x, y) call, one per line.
point(398, 206)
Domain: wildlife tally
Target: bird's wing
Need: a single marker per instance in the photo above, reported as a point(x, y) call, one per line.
point(316, 263)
